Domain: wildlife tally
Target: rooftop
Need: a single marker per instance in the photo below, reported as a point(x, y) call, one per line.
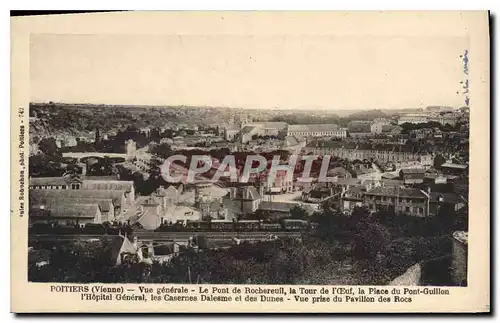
point(276, 206)
point(397, 191)
point(69, 210)
point(115, 195)
point(452, 165)
point(126, 186)
point(313, 127)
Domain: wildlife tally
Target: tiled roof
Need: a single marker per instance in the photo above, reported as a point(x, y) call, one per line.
point(291, 141)
point(127, 186)
point(406, 171)
point(41, 181)
point(276, 206)
point(451, 198)
point(313, 127)
point(391, 182)
point(348, 181)
point(339, 171)
point(115, 195)
point(275, 125)
point(247, 129)
point(213, 191)
point(37, 198)
point(395, 191)
point(101, 178)
point(451, 165)
point(69, 210)
point(359, 126)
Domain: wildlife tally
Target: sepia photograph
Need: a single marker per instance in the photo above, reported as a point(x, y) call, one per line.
point(290, 168)
point(325, 163)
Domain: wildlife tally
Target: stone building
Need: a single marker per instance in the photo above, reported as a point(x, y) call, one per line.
point(399, 200)
point(316, 130)
point(459, 258)
point(66, 214)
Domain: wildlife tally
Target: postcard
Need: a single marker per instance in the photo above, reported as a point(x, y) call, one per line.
point(260, 162)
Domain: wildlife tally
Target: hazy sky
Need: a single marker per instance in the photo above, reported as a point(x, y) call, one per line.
point(243, 71)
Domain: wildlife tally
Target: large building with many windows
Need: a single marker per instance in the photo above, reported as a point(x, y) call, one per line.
point(316, 130)
point(400, 200)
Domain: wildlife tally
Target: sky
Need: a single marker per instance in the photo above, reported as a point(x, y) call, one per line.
point(289, 71)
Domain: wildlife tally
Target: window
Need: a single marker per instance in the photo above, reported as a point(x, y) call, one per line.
point(407, 209)
point(420, 210)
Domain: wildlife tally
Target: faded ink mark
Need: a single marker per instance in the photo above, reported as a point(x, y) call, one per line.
point(465, 60)
point(465, 84)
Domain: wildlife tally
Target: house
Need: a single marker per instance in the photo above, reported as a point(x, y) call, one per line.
point(360, 128)
point(449, 168)
point(280, 183)
point(344, 184)
point(450, 201)
point(352, 198)
point(122, 251)
point(399, 200)
point(126, 186)
point(230, 133)
point(169, 195)
point(316, 130)
point(280, 210)
point(427, 160)
point(320, 192)
point(55, 183)
point(116, 196)
point(87, 183)
point(164, 252)
point(38, 199)
point(150, 214)
point(66, 214)
point(243, 200)
point(293, 144)
point(411, 176)
point(339, 172)
point(214, 210)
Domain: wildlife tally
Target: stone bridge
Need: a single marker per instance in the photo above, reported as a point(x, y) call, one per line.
point(80, 155)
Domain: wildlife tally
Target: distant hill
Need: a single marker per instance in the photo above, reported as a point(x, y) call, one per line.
point(368, 115)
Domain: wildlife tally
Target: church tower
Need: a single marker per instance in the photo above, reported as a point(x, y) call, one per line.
point(130, 149)
point(244, 121)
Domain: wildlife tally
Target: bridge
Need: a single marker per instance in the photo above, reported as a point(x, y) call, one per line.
point(80, 155)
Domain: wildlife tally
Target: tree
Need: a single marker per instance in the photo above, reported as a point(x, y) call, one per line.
point(371, 238)
point(49, 147)
point(298, 212)
point(438, 161)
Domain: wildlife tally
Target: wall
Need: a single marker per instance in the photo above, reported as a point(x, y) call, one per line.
point(410, 278)
point(459, 262)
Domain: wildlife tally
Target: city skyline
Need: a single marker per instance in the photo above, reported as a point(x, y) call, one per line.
point(249, 72)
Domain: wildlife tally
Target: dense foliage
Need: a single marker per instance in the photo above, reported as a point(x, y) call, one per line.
point(345, 250)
